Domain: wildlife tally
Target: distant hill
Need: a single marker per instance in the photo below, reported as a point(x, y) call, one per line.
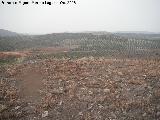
point(97, 32)
point(4, 33)
point(137, 32)
point(96, 43)
point(139, 35)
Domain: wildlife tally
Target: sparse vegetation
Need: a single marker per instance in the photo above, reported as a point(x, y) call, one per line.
point(105, 44)
point(79, 76)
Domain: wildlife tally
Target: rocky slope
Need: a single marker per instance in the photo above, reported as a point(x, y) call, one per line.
point(81, 89)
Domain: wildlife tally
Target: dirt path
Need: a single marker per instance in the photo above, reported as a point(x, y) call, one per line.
point(31, 84)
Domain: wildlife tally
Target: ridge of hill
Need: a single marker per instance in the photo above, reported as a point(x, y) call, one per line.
point(4, 33)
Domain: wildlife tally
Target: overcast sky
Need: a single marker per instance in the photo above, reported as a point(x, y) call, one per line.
point(86, 15)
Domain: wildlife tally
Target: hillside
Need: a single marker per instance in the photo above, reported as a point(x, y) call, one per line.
point(96, 43)
point(4, 33)
point(80, 76)
point(81, 89)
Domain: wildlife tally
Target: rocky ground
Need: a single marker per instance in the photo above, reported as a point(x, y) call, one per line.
point(81, 89)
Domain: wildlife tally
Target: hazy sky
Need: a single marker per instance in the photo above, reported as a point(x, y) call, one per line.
point(87, 15)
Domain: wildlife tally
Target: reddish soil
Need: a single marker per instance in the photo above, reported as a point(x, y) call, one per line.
point(5, 55)
point(29, 52)
point(82, 89)
point(30, 84)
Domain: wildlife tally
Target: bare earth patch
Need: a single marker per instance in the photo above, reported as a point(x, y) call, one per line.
point(30, 84)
